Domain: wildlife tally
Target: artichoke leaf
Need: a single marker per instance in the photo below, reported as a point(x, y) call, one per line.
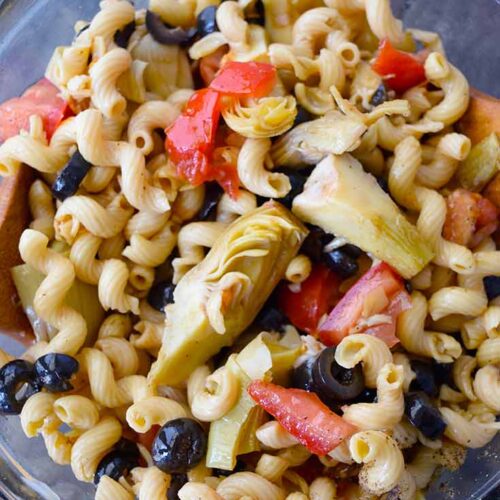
point(219, 298)
point(310, 142)
point(341, 198)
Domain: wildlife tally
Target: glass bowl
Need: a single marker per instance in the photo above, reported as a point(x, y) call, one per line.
point(29, 31)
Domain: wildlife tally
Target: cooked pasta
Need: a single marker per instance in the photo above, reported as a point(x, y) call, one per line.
point(254, 267)
point(382, 459)
point(366, 349)
point(92, 445)
point(251, 484)
point(388, 409)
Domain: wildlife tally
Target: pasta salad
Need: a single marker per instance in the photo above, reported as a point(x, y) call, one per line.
point(262, 256)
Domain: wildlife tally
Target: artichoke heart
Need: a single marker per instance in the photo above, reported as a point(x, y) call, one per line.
point(219, 298)
point(341, 198)
point(309, 142)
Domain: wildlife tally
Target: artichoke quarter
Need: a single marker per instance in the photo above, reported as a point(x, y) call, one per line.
point(220, 297)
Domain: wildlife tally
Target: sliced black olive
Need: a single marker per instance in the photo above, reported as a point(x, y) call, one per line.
point(258, 15)
point(408, 286)
point(424, 415)
point(70, 177)
point(302, 116)
point(271, 318)
point(297, 182)
point(206, 21)
point(127, 448)
point(115, 465)
point(164, 34)
point(341, 263)
point(53, 371)
point(351, 250)
point(334, 382)
point(366, 396)
point(382, 182)
point(179, 446)
point(443, 373)
point(314, 243)
point(492, 286)
point(85, 28)
point(17, 384)
point(302, 375)
point(176, 483)
point(122, 36)
point(425, 379)
point(213, 193)
point(161, 294)
point(380, 95)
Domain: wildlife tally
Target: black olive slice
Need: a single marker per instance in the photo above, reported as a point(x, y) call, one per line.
point(166, 35)
point(206, 21)
point(122, 36)
point(334, 382)
point(70, 177)
point(17, 384)
point(179, 446)
point(53, 371)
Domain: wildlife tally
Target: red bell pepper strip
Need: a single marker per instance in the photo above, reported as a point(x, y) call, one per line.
point(303, 415)
point(245, 79)
point(400, 69)
point(40, 99)
point(469, 218)
point(379, 291)
point(316, 297)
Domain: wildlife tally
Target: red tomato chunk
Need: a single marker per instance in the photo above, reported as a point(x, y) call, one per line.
point(41, 99)
point(245, 79)
point(470, 218)
point(400, 69)
point(316, 297)
point(303, 415)
point(380, 291)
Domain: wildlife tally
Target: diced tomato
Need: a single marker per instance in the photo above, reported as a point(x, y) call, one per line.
point(191, 138)
point(387, 331)
point(210, 65)
point(317, 295)
point(41, 99)
point(469, 218)
point(379, 291)
point(245, 79)
point(303, 415)
point(400, 69)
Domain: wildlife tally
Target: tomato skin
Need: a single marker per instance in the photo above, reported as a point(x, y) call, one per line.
point(380, 281)
point(245, 79)
point(402, 70)
point(41, 99)
point(317, 295)
point(191, 138)
point(303, 415)
point(469, 218)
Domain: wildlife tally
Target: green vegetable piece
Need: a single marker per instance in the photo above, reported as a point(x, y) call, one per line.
point(481, 165)
point(234, 433)
point(220, 297)
point(81, 297)
point(341, 198)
